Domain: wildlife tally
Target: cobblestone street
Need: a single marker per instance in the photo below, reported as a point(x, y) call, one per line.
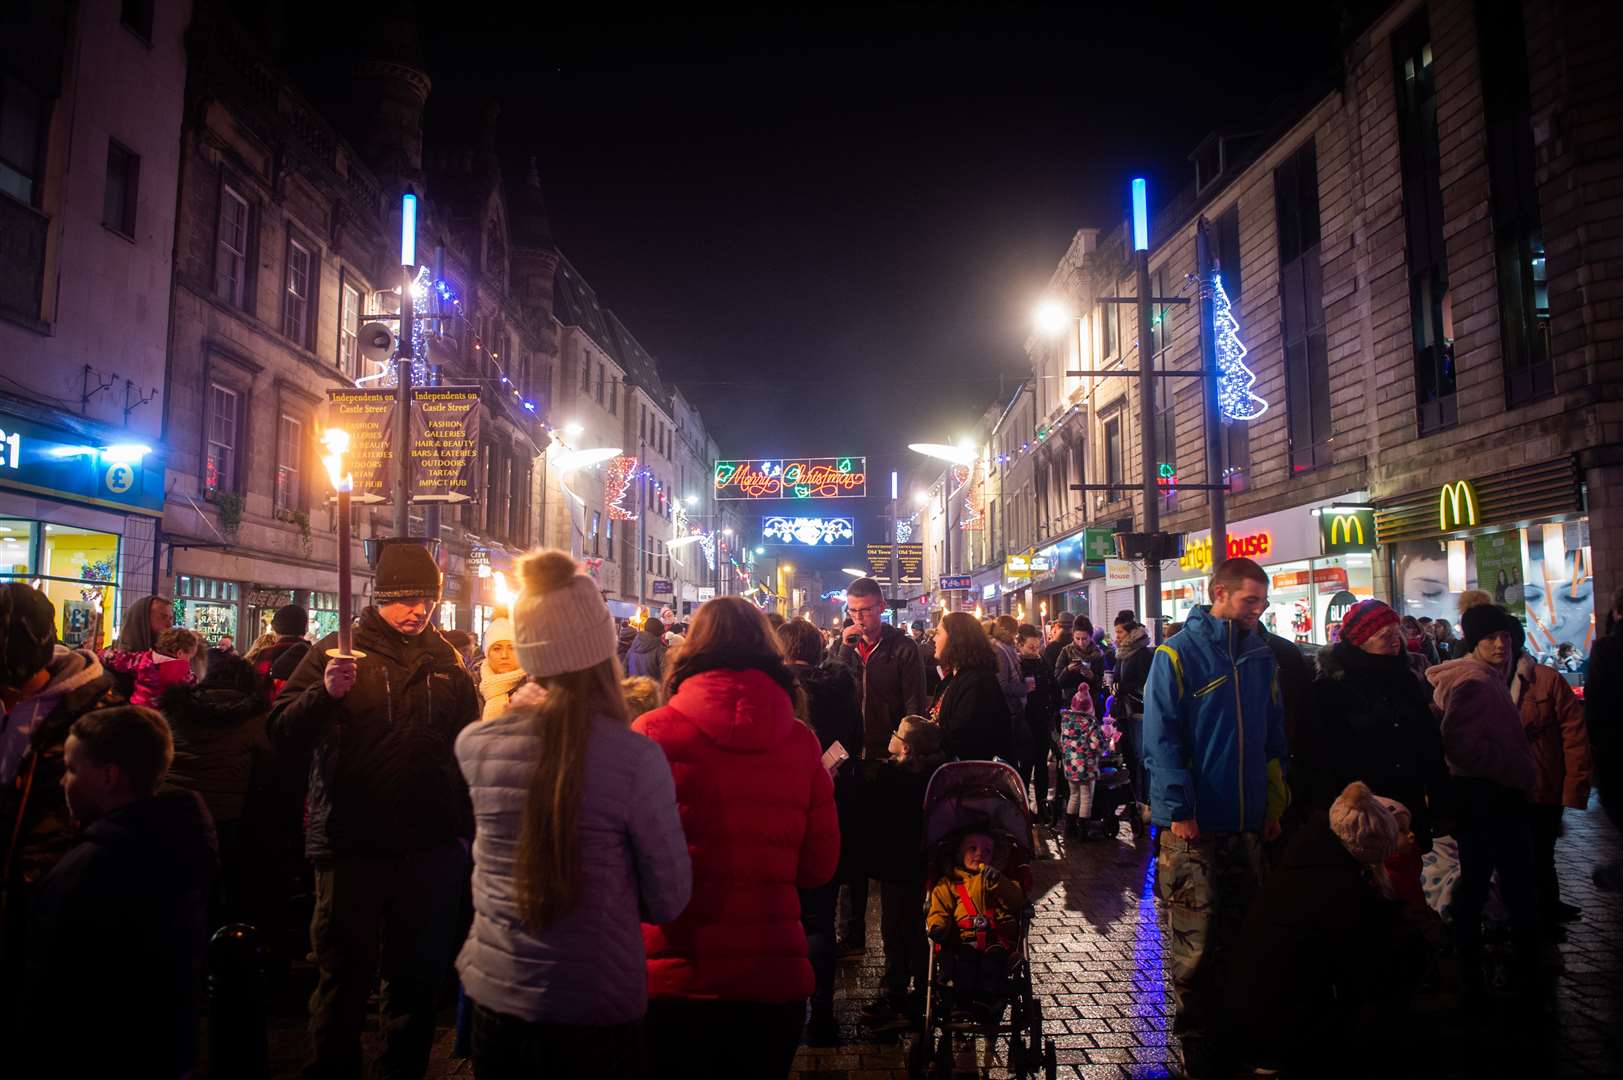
point(1097, 965)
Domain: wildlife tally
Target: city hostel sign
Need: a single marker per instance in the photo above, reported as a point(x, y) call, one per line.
point(1197, 555)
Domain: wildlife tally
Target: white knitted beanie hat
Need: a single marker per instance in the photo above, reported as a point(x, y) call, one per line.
point(1364, 825)
point(500, 629)
point(560, 622)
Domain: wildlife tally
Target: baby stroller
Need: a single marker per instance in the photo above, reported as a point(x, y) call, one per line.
point(989, 797)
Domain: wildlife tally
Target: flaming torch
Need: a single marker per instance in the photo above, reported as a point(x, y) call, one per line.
point(336, 441)
point(504, 592)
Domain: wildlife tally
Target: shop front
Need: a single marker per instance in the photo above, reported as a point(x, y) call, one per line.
point(264, 601)
point(1074, 573)
point(78, 520)
point(1522, 534)
point(210, 607)
point(1311, 580)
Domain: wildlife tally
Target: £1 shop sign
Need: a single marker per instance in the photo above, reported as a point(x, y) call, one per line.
point(1198, 555)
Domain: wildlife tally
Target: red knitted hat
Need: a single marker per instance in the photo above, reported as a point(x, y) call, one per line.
point(1365, 619)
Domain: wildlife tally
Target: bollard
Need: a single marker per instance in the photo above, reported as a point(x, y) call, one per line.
point(237, 1007)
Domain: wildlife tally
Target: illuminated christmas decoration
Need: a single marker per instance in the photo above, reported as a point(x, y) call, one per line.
point(806, 478)
point(1234, 380)
point(904, 531)
point(616, 482)
point(809, 531)
point(707, 544)
point(974, 515)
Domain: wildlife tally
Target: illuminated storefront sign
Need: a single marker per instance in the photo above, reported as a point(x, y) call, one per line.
point(809, 531)
point(1456, 506)
point(1344, 531)
point(1198, 554)
point(52, 461)
point(782, 478)
point(1027, 565)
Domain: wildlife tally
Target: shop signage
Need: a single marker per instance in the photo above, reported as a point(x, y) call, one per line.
point(53, 461)
point(808, 531)
point(783, 478)
point(444, 444)
point(261, 596)
point(478, 557)
point(909, 563)
point(955, 583)
point(662, 588)
point(1456, 506)
point(1499, 569)
point(1344, 531)
point(706, 593)
point(1027, 565)
point(1198, 554)
point(1098, 545)
point(368, 416)
point(989, 591)
point(1325, 577)
point(1119, 574)
point(1338, 606)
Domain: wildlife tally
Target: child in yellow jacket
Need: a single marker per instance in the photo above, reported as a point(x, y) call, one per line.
point(982, 904)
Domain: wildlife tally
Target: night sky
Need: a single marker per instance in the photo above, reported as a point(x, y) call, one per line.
point(830, 225)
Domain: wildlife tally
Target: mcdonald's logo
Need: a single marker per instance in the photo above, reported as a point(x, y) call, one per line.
point(1456, 506)
point(1343, 527)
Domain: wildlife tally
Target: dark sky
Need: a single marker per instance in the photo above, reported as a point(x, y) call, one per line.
point(830, 224)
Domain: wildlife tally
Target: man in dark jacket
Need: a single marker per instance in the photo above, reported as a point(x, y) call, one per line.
point(890, 682)
point(388, 815)
point(119, 924)
point(647, 653)
point(277, 662)
point(1603, 716)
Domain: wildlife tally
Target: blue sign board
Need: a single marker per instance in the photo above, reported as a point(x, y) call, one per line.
point(956, 583)
point(48, 460)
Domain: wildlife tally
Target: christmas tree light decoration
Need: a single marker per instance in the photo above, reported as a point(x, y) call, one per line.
point(1234, 380)
point(616, 483)
point(904, 530)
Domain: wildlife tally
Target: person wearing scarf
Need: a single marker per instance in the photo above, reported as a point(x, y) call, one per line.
point(499, 674)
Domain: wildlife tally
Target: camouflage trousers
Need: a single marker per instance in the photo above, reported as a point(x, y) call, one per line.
point(1205, 887)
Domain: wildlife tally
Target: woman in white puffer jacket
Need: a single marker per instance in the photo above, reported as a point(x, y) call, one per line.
point(578, 841)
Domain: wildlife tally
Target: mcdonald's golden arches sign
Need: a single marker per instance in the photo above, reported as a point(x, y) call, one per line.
point(1343, 531)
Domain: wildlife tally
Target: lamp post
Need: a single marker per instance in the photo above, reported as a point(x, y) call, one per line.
point(337, 442)
point(1146, 412)
point(404, 355)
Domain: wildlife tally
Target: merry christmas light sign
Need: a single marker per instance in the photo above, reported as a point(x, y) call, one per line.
point(786, 478)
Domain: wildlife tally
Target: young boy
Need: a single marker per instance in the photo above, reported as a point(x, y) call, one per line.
point(120, 922)
point(982, 904)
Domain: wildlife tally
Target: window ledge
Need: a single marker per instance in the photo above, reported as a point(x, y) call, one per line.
point(120, 233)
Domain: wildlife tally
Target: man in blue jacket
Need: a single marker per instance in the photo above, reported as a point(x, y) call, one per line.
point(1214, 747)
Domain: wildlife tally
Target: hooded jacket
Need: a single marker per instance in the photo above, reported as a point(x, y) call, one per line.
point(646, 656)
point(890, 683)
point(118, 934)
point(153, 672)
point(1214, 728)
point(589, 966)
point(757, 808)
point(220, 742)
point(1482, 729)
point(383, 777)
point(974, 716)
point(1553, 718)
point(1371, 721)
point(278, 661)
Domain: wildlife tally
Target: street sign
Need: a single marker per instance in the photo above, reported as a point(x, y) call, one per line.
point(955, 583)
point(1098, 545)
point(444, 444)
point(706, 592)
point(909, 563)
point(368, 415)
point(662, 588)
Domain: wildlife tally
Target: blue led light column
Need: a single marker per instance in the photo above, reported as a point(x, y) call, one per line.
point(1146, 399)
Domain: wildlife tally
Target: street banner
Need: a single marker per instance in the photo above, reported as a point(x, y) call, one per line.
point(444, 443)
point(790, 478)
point(368, 415)
point(909, 563)
point(1499, 569)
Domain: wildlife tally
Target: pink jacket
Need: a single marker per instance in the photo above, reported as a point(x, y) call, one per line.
point(1553, 718)
point(154, 673)
point(1482, 729)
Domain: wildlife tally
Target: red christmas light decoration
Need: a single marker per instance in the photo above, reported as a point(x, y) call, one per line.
point(616, 482)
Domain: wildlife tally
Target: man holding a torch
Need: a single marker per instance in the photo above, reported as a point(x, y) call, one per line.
point(388, 814)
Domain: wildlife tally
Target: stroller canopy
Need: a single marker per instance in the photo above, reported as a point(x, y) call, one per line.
point(977, 794)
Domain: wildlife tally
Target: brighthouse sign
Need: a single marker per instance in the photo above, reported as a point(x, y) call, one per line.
point(784, 478)
point(1345, 531)
point(1198, 554)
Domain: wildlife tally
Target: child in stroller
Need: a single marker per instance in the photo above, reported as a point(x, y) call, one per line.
point(974, 917)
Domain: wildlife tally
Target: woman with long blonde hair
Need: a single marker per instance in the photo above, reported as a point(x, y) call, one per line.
point(577, 834)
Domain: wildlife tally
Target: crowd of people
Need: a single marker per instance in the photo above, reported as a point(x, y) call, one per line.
point(643, 849)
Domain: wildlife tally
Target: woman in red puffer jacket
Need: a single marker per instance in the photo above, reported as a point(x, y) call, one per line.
point(728, 980)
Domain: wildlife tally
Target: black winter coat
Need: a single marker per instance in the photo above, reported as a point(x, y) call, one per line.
point(1042, 704)
point(832, 711)
point(1372, 721)
point(1295, 684)
point(220, 744)
point(974, 716)
point(890, 685)
point(118, 935)
point(891, 842)
point(383, 775)
point(1320, 937)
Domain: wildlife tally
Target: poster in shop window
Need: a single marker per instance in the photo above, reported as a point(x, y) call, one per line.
point(444, 443)
point(1499, 569)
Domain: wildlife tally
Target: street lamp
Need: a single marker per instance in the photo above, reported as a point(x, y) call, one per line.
point(1051, 317)
point(573, 429)
point(853, 573)
point(692, 500)
point(963, 454)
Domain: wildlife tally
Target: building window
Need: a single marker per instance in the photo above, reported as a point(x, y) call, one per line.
point(289, 452)
point(220, 459)
point(22, 133)
point(586, 373)
point(136, 15)
point(296, 302)
point(614, 397)
point(1106, 319)
point(602, 383)
point(608, 538)
point(231, 250)
point(118, 196)
point(349, 330)
point(1301, 287)
point(1114, 471)
point(1518, 229)
point(1430, 303)
point(597, 525)
point(1228, 252)
point(1078, 499)
point(1166, 427)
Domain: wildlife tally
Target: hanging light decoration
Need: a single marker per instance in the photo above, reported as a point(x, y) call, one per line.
point(616, 482)
point(1234, 380)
